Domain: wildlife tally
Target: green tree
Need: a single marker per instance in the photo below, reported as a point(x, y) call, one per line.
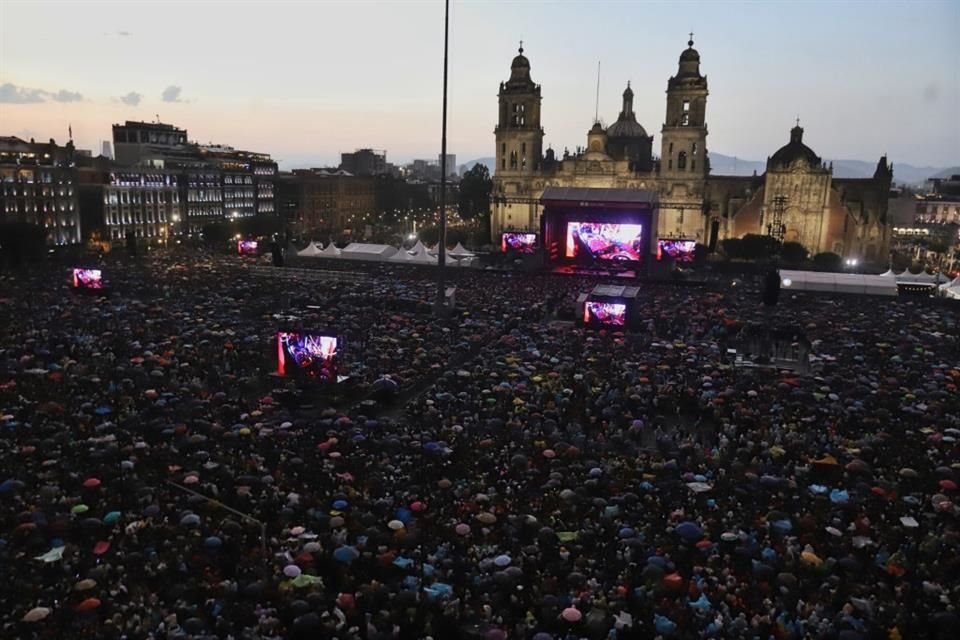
point(793, 252)
point(475, 188)
point(21, 242)
point(828, 261)
point(758, 247)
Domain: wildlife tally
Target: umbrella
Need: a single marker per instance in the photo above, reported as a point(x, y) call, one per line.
point(91, 483)
point(36, 614)
point(395, 525)
point(89, 604)
point(571, 614)
point(80, 508)
point(85, 584)
point(502, 560)
point(291, 571)
point(345, 554)
point(486, 517)
point(9, 486)
point(190, 520)
point(462, 529)
point(689, 531)
point(111, 517)
point(213, 542)
point(305, 580)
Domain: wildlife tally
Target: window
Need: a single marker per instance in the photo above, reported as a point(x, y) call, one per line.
point(685, 121)
point(682, 160)
point(671, 148)
point(694, 149)
point(693, 164)
point(670, 163)
point(513, 159)
point(686, 106)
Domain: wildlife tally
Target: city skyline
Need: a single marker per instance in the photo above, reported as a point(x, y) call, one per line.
point(289, 79)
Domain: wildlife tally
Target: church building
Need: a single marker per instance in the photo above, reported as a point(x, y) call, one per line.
point(796, 199)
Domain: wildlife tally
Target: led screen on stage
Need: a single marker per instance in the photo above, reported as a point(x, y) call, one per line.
point(679, 250)
point(307, 354)
point(87, 279)
point(522, 242)
point(605, 241)
point(609, 313)
point(247, 247)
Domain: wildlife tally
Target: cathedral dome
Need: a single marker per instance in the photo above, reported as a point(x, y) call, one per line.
point(795, 150)
point(626, 125)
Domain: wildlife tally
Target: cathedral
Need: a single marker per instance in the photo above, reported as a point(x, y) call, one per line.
point(796, 199)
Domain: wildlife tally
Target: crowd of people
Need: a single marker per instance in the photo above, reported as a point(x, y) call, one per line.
point(539, 480)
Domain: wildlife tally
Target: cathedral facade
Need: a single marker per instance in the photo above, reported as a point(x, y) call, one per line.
point(797, 198)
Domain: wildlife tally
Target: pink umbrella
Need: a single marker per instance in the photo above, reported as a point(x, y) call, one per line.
point(462, 529)
point(571, 614)
point(91, 483)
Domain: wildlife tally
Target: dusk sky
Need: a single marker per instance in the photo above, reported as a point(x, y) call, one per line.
point(304, 81)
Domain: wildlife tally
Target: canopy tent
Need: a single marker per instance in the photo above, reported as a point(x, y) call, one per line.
point(917, 278)
point(460, 251)
point(951, 289)
point(371, 252)
point(889, 273)
point(418, 248)
point(434, 250)
point(330, 251)
point(311, 250)
point(423, 258)
point(401, 256)
point(837, 283)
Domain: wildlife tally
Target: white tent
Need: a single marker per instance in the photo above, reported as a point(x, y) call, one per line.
point(363, 251)
point(434, 250)
point(889, 273)
point(418, 248)
point(310, 251)
point(330, 251)
point(916, 278)
point(423, 258)
point(460, 251)
point(401, 256)
point(837, 283)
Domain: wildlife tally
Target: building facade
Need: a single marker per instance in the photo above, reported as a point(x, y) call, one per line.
point(330, 202)
point(129, 202)
point(38, 185)
point(365, 162)
point(216, 182)
point(796, 199)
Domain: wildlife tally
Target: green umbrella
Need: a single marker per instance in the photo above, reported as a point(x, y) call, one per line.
point(80, 508)
point(305, 580)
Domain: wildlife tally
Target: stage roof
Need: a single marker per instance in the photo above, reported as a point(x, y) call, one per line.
point(587, 194)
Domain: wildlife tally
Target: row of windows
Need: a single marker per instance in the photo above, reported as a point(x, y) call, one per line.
point(26, 177)
point(115, 218)
point(33, 207)
point(237, 180)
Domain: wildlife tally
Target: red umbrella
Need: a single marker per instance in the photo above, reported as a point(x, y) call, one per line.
point(89, 604)
point(91, 483)
point(101, 548)
point(948, 484)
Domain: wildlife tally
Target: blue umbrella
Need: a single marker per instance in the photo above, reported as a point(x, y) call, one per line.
point(111, 517)
point(213, 542)
point(404, 515)
point(627, 532)
point(340, 505)
point(689, 531)
point(190, 520)
point(103, 410)
point(782, 526)
point(839, 496)
point(502, 560)
point(11, 485)
point(345, 554)
point(818, 489)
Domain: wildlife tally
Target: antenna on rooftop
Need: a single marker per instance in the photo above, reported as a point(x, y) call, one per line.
point(596, 113)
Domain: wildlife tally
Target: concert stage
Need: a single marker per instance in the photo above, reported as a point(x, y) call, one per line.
point(599, 231)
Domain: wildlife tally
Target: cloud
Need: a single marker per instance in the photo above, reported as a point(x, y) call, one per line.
point(172, 94)
point(133, 99)
point(12, 94)
point(66, 96)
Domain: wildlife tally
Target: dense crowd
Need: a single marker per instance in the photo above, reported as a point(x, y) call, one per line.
point(540, 482)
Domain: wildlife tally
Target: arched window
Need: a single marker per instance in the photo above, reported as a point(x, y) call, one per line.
point(513, 159)
point(682, 160)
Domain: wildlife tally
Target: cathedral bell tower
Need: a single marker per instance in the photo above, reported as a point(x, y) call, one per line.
point(519, 155)
point(683, 156)
point(518, 132)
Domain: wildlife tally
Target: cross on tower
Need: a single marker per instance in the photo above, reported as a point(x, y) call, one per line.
point(691, 39)
point(798, 121)
point(521, 46)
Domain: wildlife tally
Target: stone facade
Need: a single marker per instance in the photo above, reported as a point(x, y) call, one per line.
point(823, 213)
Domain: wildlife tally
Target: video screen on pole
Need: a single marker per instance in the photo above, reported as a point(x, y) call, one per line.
point(87, 279)
point(247, 247)
point(308, 355)
point(679, 250)
point(521, 242)
point(605, 241)
point(608, 313)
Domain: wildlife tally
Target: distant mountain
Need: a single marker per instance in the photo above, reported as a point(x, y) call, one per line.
point(720, 164)
point(902, 173)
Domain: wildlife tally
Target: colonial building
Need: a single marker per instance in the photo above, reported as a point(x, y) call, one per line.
point(797, 198)
point(330, 202)
point(38, 185)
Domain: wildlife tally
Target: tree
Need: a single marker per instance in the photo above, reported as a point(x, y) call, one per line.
point(758, 247)
point(21, 242)
point(475, 188)
point(793, 252)
point(828, 261)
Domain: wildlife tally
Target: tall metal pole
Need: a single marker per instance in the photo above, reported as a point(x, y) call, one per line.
point(442, 254)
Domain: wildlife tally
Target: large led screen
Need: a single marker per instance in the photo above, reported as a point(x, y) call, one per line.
point(609, 313)
point(307, 354)
point(522, 242)
point(247, 247)
point(605, 241)
point(679, 250)
point(87, 279)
